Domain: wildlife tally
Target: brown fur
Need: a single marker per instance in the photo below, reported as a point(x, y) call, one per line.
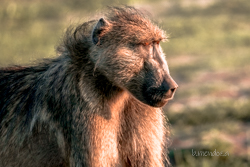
point(97, 104)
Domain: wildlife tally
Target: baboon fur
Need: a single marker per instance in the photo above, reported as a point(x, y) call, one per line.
point(97, 104)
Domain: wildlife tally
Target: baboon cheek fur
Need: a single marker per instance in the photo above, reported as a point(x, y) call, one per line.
point(97, 104)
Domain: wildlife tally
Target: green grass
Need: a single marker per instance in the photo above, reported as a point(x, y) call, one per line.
point(216, 39)
point(217, 112)
point(31, 30)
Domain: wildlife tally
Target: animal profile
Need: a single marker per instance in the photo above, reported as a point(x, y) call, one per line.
point(98, 104)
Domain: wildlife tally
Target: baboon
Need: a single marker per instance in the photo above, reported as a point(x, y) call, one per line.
point(98, 104)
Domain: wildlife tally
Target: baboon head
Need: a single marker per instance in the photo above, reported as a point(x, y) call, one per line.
point(126, 49)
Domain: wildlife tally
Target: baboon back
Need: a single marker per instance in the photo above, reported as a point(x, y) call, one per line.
point(26, 140)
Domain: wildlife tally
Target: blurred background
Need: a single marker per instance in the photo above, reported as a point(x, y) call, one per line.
point(208, 55)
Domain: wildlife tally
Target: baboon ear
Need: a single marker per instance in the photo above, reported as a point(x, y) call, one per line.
point(98, 30)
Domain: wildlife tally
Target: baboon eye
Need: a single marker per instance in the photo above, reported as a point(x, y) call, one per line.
point(157, 42)
point(146, 43)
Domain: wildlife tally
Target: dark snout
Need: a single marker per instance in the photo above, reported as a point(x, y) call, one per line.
point(159, 96)
point(169, 87)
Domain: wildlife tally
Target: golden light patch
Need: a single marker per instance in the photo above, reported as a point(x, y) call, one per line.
point(124, 52)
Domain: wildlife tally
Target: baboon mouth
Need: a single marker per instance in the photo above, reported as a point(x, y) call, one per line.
point(161, 103)
point(164, 100)
point(167, 97)
point(158, 99)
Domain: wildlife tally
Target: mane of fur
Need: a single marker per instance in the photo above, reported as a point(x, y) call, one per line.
point(68, 95)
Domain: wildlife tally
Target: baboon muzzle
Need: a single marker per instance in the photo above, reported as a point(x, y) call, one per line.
point(160, 95)
point(168, 86)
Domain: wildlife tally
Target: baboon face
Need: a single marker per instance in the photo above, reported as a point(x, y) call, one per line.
point(131, 57)
point(153, 84)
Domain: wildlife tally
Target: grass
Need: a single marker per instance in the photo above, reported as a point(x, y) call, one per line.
point(210, 114)
point(216, 40)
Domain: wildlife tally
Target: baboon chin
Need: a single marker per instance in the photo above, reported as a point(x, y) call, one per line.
point(96, 105)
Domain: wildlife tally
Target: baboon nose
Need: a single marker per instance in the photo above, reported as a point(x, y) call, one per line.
point(171, 92)
point(171, 87)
